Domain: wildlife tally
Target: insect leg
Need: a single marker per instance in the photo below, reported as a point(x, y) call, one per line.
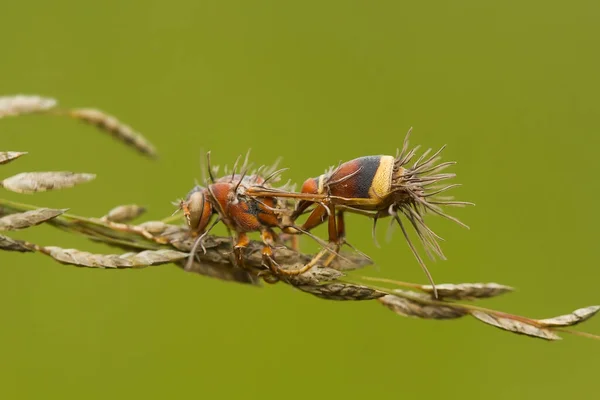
point(242, 241)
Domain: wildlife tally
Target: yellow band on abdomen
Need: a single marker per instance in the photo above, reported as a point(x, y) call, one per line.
point(382, 181)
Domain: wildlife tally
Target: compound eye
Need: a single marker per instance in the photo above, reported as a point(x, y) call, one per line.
point(193, 209)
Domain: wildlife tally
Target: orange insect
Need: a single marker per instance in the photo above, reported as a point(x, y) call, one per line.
point(226, 199)
point(375, 186)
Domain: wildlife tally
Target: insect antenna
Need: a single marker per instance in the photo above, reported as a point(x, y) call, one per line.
point(179, 206)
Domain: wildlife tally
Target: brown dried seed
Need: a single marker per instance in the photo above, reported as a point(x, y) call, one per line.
point(124, 213)
point(29, 218)
point(10, 244)
point(116, 128)
point(467, 291)
point(8, 156)
point(24, 104)
point(576, 317)
point(342, 291)
point(31, 182)
point(414, 308)
point(516, 326)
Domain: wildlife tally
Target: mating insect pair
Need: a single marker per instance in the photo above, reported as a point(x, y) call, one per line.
point(373, 186)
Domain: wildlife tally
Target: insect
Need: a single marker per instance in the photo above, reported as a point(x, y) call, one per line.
point(225, 198)
point(375, 186)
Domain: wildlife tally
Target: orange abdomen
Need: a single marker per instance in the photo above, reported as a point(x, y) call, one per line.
point(364, 177)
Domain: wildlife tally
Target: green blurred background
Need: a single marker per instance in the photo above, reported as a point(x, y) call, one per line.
point(511, 87)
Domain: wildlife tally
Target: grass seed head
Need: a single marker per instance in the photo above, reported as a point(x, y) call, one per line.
point(24, 104)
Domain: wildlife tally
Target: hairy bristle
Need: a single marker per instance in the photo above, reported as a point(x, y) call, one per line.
point(418, 187)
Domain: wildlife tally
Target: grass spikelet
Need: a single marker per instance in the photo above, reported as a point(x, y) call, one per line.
point(24, 104)
point(115, 128)
point(8, 156)
point(451, 291)
point(576, 317)
point(128, 260)
point(224, 272)
point(342, 291)
point(421, 305)
point(10, 244)
point(29, 218)
point(314, 276)
point(154, 257)
point(515, 325)
point(31, 182)
point(467, 291)
point(413, 308)
point(124, 213)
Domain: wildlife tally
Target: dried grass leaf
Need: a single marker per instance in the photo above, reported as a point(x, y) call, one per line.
point(467, 291)
point(10, 244)
point(116, 128)
point(124, 213)
point(516, 326)
point(8, 156)
point(31, 182)
point(128, 260)
point(421, 309)
point(24, 104)
point(578, 316)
